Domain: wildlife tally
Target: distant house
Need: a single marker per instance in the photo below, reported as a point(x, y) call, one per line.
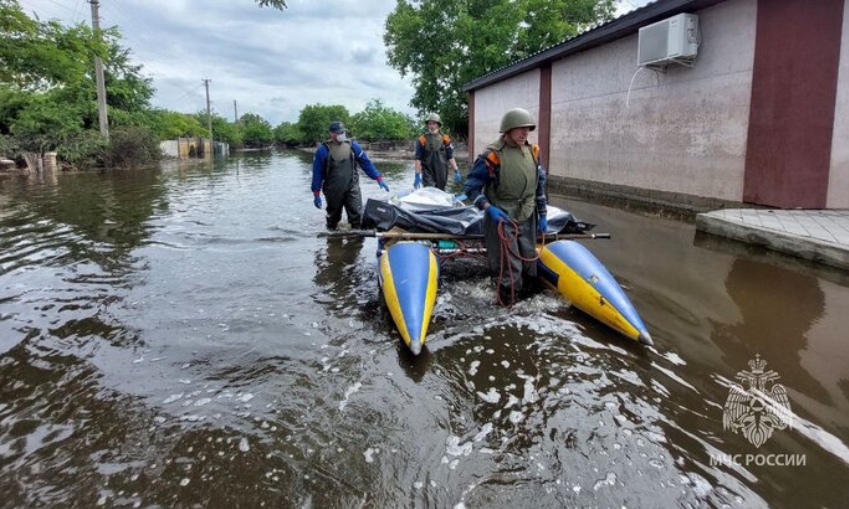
point(188, 148)
point(760, 115)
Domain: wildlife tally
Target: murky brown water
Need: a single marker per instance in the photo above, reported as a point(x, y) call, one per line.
point(182, 338)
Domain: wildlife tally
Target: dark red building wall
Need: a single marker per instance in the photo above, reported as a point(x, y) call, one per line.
point(470, 142)
point(794, 84)
point(544, 120)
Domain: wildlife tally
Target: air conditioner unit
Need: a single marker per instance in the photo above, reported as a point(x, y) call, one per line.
point(673, 40)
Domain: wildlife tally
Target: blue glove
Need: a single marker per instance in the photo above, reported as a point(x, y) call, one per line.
point(542, 225)
point(317, 201)
point(417, 184)
point(383, 185)
point(457, 177)
point(496, 214)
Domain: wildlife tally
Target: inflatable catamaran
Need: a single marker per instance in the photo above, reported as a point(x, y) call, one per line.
point(415, 229)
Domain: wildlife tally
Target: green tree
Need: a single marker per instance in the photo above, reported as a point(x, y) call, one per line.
point(444, 44)
point(228, 132)
point(287, 133)
point(378, 122)
point(167, 125)
point(222, 130)
point(315, 118)
point(44, 124)
point(39, 56)
point(48, 88)
point(256, 131)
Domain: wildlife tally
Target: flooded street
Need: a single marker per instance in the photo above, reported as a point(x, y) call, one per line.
point(184, 338)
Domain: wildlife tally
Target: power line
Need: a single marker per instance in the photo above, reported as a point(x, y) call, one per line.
point(169, 103)
point(78, 11)
point(138, 30)
point(56, 4)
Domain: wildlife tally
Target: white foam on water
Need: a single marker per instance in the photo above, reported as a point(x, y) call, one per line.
point(609, 480)
point(174, 397)
point(485, 430)
point(493, 396)
point(673, 376)
point(701, 487)
point(656, 438)
point(455, 448)
point(530, 394)
point(369, 455)
point(348, 392)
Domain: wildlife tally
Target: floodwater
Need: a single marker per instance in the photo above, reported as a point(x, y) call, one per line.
point(182, 337)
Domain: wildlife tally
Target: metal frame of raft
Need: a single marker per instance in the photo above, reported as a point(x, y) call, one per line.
point(408, 275)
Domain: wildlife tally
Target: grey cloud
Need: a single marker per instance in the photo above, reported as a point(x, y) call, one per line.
point(273, 63)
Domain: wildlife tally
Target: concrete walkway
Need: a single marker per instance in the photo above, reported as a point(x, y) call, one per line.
point(818, 235)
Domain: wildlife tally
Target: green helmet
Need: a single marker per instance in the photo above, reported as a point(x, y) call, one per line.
point(517, 117)
point(433, 117)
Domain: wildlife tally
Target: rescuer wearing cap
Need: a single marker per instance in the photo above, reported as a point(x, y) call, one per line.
point(334, 171)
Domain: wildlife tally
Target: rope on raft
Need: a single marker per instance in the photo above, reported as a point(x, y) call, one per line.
point(508, 240)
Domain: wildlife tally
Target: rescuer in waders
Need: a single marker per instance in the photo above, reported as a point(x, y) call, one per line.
point(507, 181)
point(334, 171)
point(434, 154)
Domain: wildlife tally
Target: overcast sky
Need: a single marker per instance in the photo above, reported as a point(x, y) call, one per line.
point(271, 63)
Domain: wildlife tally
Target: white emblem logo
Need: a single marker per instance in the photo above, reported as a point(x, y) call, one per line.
point(758, 411)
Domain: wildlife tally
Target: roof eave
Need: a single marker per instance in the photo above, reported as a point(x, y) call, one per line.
point(620, 27)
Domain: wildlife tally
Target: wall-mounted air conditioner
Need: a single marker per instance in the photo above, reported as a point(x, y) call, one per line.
point(673, 40)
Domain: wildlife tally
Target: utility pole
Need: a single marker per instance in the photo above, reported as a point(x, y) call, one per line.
point(235, 113)
point(209, 117)
point(98, 73)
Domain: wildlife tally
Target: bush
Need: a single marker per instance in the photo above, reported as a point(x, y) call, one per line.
point(84, 150)
point(130, 147)
point(8, 146)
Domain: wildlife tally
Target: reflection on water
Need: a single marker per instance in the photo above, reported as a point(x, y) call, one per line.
point(776, 314)
point(183, 337)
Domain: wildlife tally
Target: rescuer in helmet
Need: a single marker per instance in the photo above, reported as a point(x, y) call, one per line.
point(507, 182)
point(434, 154)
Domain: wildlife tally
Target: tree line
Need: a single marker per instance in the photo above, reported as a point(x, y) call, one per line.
point(48, 102)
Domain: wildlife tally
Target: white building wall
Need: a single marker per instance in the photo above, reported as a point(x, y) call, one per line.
point(838, 176)
point(170, 148)
point(492, 102)
point(683, 130)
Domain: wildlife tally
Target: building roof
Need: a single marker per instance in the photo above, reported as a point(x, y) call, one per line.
point(622, 26)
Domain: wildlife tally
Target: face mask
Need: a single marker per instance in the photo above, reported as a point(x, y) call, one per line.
point(341, 138)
